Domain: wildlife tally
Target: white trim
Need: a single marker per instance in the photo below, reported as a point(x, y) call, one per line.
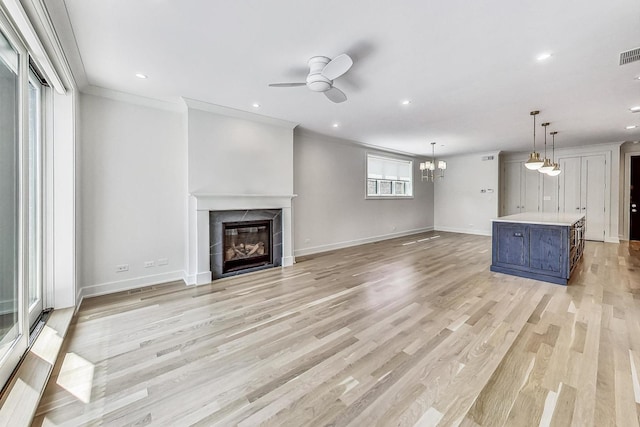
point(203, 278)
point(238, 114)
point(611, 240)
point(134, 283)
point(129, 98)
point(36, 49)
point(288, 261)
point(476, 232)
point(357, 242)
point(227, 202)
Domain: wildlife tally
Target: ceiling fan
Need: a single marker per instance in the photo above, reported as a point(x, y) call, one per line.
point(322, 72)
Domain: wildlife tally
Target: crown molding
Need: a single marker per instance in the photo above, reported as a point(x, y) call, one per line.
point(304, 132)
point(238, 114)
point(129, 98)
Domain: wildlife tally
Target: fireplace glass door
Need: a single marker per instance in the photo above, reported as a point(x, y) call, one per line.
point(247, 244)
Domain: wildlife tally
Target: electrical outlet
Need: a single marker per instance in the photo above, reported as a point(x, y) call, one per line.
point(148, 264)
point(163, 261)
point(122, 267)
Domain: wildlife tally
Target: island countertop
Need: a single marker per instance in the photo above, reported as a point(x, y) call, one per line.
point(546, 218)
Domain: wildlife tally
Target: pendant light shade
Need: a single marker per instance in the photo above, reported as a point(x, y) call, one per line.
point(534, 161)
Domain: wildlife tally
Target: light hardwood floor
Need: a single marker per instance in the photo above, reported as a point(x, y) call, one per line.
point(402, 332)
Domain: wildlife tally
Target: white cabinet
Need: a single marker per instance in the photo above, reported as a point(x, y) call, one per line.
point(520, 189)
point(582, 189)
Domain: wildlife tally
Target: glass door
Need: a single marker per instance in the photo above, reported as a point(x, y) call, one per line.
point(13, 341)
point(35, 198)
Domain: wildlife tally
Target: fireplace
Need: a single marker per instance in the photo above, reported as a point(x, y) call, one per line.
point(246, 244)
point(242, 241)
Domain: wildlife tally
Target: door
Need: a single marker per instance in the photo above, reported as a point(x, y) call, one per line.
point(593, 196)
point(569, 185)
point(512, 187)
point(13, 337)
point(634, 209)
point(530, 191)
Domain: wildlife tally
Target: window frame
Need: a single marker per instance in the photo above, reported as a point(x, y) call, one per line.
point(393, 195)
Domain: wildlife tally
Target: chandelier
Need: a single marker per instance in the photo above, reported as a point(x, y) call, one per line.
point(428, 168)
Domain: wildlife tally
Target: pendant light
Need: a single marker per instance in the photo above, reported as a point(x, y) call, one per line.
point(534, 161)
point(547, 166)
point(556, 167)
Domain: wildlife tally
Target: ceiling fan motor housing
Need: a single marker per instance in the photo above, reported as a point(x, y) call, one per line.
point(315, 80)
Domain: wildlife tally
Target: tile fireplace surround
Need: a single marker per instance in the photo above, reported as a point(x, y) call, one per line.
point(199, 232)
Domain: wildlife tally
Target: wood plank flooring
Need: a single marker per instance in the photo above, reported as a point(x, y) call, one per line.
point(410, 331)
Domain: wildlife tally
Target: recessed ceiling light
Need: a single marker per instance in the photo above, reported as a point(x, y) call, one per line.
point(406, 102)
point(635, 109)
point(335, 125)
point(255, 105)
point(543, 56)
point(631, 127)
point(141, 76)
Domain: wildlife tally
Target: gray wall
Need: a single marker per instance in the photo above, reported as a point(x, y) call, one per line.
point(331, 210)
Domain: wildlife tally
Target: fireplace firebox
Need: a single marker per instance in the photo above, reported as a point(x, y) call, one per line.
point(246, 244)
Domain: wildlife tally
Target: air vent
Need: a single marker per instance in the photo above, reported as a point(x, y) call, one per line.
point(630, 56)
point(485, 158)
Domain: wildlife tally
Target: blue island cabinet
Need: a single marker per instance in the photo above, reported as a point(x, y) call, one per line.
point(539, 246)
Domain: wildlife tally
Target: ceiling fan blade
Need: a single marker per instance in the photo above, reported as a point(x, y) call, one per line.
point(337, 66)
point(287, 84)
point(335, 95)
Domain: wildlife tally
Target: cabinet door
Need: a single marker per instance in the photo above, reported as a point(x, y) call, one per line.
point(512, 241)
point(511, 181)
point(549, 202)
point(593, 196)
point(569, 185)
point(531, 190)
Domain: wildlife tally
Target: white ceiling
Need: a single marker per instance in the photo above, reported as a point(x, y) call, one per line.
point(469, 68)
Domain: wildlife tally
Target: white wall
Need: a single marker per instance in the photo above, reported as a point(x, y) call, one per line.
point(459, 203)
point(331, 211)
point(133, 194)
point(230, 155)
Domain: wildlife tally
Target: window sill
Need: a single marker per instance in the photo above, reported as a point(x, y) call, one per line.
point(388, 197)
point(20, 400)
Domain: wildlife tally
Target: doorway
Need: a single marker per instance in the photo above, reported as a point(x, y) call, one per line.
point(634, 199)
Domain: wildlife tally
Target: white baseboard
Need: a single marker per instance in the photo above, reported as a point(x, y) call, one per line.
point(125, 285)
point(464, 231)
point(612, 240)
point(356, 242)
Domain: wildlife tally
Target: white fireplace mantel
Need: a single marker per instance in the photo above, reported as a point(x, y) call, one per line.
point(199, 206)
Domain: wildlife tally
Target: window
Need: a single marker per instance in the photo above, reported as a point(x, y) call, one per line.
point(389, 177)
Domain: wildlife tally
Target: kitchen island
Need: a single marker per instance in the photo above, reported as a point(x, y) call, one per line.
point(537, 245)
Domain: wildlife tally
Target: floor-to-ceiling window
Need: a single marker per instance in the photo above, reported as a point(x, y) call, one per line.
point(11, 322)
